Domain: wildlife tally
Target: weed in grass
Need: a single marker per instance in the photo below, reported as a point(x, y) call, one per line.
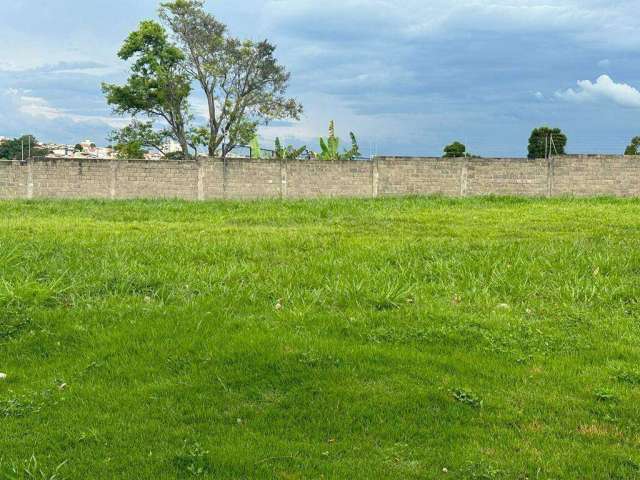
point(193, 460)
point(89, 436)
point(313, 359)
point(605, 395)
point(31, 470)
point(12, 326)
point(482, 471)
point(629, 377)
point(392, 296)
point(18, 407)
point(467, 398)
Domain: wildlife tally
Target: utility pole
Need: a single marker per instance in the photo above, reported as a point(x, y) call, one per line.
point(552, 144)
point(546, 146)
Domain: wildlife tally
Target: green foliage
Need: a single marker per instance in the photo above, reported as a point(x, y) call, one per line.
point(193, 461)
point(547, 141)
point(330, 148)
point(455, 150)
point(78, 148)
point(467, 398)
point(605, 395)
point(288, 153)
point(254, 146)
point(634, 147)
point(137, 136)
point(158, 86)
point(30, 470)
point(242, 80)
point(130, 151)
point(13, 149)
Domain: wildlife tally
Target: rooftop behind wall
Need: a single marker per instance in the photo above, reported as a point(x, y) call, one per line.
point(593, 175)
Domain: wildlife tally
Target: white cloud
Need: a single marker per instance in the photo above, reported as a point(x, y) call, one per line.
point(38, 107)
point(604, 89)
point(588, 21)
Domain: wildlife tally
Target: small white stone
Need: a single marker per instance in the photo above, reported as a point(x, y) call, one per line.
point(3, 376)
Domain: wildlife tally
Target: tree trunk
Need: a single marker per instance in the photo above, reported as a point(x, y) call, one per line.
point(213, 130)
point(184, 146)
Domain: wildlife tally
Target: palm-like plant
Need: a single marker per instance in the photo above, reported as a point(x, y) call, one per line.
point(288, 153)
point(330, 148)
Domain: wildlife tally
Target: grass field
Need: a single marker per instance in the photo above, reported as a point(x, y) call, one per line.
point(400, 339)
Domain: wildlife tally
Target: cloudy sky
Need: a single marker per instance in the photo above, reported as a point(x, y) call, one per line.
point(408, 76)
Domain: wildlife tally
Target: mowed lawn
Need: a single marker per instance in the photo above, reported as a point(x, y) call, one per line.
point(391, 339)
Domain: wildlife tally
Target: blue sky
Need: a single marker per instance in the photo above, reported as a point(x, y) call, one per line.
point(408, 76)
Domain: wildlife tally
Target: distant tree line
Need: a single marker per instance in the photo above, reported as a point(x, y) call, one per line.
point(22, 147)
point(543, 142)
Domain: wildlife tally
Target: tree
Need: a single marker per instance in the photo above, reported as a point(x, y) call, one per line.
point(159, 86)
point(78, 148)
point(634, 147)
point(455, 150)
point(330, 148)
point(546, 141)
point(243, 83)
point(18, 148)
point(138, 135)
point(128, 151)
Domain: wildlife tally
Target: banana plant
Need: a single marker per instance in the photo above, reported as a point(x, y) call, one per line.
point(288, 153)
point(330, 148)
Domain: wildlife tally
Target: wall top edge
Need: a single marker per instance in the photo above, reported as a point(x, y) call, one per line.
point(350, 162)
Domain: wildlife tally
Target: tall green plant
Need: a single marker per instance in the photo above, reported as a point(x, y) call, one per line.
point(254, 146)
point(330, 148)
point(288, 153)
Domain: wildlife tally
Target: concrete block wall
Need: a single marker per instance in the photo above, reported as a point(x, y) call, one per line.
point(596, 175)
point(507, 176)
point(250, 179)
point(150, 179)
point(401, 176)
point(13, 180)
point(385, 176)
point(320, 179)
point(63, 179)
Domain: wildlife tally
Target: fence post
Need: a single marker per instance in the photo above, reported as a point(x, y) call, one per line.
point(550, 175)
point(201, 177)
point(225, 174)
point(29, 179)
point(284, 178)
point(464, 178)
point(375, 177)
point(113, 180)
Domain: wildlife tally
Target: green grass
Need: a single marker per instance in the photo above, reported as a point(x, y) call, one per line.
point(493, 338)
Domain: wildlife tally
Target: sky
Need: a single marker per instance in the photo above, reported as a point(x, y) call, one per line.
point(407, 76)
